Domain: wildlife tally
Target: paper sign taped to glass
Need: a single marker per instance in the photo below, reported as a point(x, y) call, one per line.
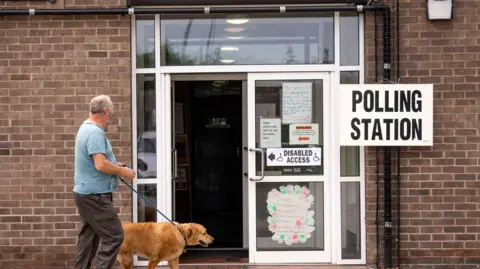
point(294, 156)
point(304, 134)
point(296, 102)
point(291, 219)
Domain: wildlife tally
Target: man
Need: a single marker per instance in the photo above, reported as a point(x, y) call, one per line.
point(96, 177)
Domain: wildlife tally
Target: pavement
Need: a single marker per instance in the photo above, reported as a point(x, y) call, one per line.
point(220, 266)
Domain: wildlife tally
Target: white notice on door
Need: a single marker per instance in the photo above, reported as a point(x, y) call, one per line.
point(304, 134)
point(294, 157)
point(297, 102)
point(270, 133)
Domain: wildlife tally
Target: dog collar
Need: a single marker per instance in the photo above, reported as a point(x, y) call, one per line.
point(184, 238)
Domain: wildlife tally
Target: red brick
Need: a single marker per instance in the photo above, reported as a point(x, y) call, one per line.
point(442, 53)
point(46, 98)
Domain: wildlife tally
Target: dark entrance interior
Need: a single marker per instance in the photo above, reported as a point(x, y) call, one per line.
point(208, 140)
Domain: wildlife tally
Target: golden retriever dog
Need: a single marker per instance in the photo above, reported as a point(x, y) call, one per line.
point(160, 241)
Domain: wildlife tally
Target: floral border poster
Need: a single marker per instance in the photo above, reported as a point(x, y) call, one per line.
point(291, 221)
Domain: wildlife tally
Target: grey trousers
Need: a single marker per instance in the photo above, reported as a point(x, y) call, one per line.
point(99, 221)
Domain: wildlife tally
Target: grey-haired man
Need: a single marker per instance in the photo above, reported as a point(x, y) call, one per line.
point(96, 177)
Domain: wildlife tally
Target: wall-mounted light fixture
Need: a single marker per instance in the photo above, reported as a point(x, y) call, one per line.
point(439, 9)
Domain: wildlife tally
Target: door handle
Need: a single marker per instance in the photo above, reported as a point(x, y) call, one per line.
point(262, 164)
point(174, 159)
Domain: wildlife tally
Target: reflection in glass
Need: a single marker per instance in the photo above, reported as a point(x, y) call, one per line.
point(146, 213)
point(349, 155)
point(351, 236)
point(146, 129)
point(349, 77)
point(290, 212)
point(145, 34)
point(349, 38)
point(270, 97)
point(270, 39)
point(349, 161)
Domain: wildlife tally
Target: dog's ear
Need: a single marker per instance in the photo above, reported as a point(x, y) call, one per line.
point(190, 230)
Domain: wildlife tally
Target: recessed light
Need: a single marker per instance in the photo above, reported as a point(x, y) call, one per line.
point(234, 29)
point(237, 21)
point(235, 37)
point(229, 48)
point(227, 61)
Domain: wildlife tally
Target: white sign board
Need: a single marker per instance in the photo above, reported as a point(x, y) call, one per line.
point(304, 134)
point(296, 102)
point(270, 133)
point(294, 156)
point(386, 115)
point(263, 110)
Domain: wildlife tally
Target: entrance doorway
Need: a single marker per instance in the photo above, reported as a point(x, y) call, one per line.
point(207, 185)
point(212, 138)
point(280, 151)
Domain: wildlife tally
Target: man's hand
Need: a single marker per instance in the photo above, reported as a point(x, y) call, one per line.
point(103, 165)
point(127, 173)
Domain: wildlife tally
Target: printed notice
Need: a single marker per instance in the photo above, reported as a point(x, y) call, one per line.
point(270, 133)
point(263, 110)
point(291, 217)
point(304, 134)
point(294, 156)
point(297, 102)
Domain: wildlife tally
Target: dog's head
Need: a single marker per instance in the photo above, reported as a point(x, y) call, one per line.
point(196, 234)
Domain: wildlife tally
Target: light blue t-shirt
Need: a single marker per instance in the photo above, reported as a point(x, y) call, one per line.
point(90, 140)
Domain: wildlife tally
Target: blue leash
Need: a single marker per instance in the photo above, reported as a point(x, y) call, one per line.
point(148, 202)
point(145, 199)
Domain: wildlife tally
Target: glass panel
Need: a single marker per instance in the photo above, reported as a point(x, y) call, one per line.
point(254, 39)
point(289, 126)
point(290, 216)
point(349, 155)
point(145, 31)
point(349, 77)
point(351, 236)
point(146, 129)
point(146, 213)
point(349, 38)
point(349, 161)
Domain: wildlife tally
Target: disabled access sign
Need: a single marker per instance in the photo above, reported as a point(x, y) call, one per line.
point(294, 156)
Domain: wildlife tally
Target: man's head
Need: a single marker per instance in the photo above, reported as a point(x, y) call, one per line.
point(101, 110)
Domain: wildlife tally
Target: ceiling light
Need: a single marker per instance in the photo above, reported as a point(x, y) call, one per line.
point(229, 48)
point(237, 21)
point(227, 61)
point(235, 37)
point(234, 29)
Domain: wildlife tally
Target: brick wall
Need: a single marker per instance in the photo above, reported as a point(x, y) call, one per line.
point(440, 186)
point(50, 67)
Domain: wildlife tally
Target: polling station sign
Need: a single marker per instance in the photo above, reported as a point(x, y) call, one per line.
point(386, 115)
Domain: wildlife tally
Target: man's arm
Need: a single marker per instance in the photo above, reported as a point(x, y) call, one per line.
point(104, 166)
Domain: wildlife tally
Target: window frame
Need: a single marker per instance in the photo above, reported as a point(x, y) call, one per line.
point(162, 74)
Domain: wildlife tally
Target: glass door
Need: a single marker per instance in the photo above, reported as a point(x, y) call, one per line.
point(289, 166)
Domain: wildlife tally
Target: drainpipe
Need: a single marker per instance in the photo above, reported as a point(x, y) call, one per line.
point(387, 157)
point(388, 238)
